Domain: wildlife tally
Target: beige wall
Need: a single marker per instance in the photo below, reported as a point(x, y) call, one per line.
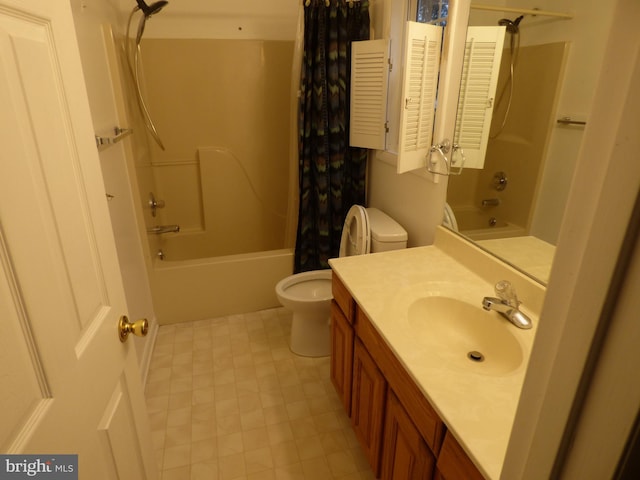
point(233, 96)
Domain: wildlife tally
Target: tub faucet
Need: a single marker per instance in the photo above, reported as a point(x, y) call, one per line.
point(507, 305)
point(490, 202)
point(160, 229)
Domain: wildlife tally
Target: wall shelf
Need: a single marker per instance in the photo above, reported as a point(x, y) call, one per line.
point(523, 11)
point(119, 134)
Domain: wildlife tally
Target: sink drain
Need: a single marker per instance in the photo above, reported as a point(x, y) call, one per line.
point(475, 356)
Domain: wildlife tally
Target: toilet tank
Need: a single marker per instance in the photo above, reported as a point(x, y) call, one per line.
point(386, 233)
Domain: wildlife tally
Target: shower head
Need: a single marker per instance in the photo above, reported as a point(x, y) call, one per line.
point(147, 11)
point(512, 25)
point(152, 9)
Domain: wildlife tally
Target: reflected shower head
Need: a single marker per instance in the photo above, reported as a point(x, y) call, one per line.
point(152, 9)
point(512, 25)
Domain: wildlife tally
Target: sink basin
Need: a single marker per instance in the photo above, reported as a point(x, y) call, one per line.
point(465, 336)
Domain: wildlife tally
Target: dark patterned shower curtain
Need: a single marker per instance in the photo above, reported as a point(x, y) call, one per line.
point(332, 174)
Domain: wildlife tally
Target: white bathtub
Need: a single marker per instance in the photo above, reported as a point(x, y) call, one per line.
point(196, 289)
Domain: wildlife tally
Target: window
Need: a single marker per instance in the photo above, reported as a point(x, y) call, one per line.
point(432, 11)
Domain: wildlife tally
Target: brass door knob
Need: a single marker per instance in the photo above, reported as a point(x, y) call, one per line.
point(139, 328)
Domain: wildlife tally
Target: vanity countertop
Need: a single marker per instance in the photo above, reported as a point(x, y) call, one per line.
point(478, 408)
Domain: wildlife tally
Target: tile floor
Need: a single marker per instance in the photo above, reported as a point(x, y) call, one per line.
point(228, 400)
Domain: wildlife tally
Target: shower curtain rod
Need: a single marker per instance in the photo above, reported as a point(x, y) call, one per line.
point(545, 13)
point(328, 2)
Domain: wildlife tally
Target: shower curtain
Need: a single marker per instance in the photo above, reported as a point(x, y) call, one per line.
point(331, 174)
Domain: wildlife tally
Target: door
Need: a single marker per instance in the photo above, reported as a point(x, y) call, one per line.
point(67, 383)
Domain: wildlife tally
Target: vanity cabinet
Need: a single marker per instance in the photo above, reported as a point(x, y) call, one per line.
point(405, 453)
point(453, 462)
point(368, 395)
point(400, 432)
point(342, 336)
point(342, 341)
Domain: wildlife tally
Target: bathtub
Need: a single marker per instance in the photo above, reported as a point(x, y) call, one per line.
point(199, 288)
point(484, 224)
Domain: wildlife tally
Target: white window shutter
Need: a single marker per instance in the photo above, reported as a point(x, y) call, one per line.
point(369, 80)
point(483, 52)
point(420, 86)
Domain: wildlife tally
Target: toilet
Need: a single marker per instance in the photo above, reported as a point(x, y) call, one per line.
point(308, 294)
point(449, 218)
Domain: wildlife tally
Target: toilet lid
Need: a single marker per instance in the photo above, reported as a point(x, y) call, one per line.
point(356, 233)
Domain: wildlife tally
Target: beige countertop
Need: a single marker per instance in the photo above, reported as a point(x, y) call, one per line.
point(478, 408)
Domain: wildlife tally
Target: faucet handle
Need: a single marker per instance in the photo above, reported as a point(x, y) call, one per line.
point(507, 293)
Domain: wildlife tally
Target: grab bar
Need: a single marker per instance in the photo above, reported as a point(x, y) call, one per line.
point(160, 229)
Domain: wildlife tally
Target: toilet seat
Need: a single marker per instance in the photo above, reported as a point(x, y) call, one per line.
point(356, 233)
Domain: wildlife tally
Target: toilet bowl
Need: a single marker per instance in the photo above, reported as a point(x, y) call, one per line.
point(308, 294)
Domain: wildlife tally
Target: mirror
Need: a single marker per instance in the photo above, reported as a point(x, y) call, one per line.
point(513, 205)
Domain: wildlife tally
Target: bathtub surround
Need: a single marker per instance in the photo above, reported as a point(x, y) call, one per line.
point(229, 91)
point(229, 195)
point(332, 174)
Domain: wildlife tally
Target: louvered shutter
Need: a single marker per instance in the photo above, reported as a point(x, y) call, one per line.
point(369, 80)
point(483, 52)
point(420, 86)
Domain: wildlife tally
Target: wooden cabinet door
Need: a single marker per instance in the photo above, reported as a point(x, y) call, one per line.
point(368, 404)
point(405, 453)
point(341, 355)
point(453, 462)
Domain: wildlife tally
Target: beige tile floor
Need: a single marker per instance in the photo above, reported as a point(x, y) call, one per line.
point(228, 400)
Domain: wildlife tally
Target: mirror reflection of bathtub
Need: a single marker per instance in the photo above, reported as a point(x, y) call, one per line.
point(483, 224)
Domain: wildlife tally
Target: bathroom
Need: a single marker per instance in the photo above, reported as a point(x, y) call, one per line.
point(387, 190)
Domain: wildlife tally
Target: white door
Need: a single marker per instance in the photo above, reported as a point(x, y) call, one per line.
point(67, 383)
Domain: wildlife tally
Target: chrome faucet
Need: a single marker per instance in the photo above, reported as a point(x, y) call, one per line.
point(507, 305)
point(159, 229)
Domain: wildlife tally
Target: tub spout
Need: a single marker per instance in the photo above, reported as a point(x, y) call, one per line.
point(490, 202)
point(160, 229)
